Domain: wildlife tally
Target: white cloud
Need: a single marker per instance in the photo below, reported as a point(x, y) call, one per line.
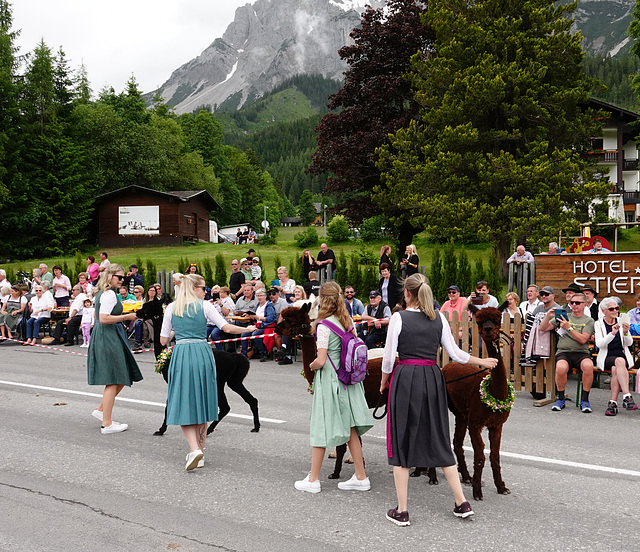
point(116, 39)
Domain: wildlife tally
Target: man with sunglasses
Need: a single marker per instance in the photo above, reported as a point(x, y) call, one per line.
point(533, 320)
point(72, 323)
point(454, 303)
point(353, 304)
point(574, 333)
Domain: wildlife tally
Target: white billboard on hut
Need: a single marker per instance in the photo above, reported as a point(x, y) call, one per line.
point(139, 220)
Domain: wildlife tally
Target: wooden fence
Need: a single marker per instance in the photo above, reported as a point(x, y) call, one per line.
point(539, 378)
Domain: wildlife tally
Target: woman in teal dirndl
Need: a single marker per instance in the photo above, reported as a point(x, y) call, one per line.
point(110, 361)
point(192, 399)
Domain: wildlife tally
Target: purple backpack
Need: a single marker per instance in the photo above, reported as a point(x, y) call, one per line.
point(353, 356)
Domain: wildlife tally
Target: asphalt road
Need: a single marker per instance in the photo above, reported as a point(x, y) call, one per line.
point(574, 478)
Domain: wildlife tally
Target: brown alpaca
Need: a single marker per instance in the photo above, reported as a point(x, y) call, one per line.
point(471, 412)
point(296, 323)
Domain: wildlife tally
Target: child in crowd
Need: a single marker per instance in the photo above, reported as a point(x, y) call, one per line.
point(256, 271)
point(88, 318)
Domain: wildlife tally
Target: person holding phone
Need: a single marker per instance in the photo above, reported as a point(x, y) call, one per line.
point(613, 341)
point(572, 351)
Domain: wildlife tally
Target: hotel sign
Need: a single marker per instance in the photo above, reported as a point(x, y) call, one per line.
point(615, 274)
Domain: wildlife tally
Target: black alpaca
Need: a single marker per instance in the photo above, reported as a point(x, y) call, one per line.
point(231, 369)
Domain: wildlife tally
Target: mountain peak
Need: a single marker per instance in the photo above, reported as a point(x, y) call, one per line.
point(268, 42)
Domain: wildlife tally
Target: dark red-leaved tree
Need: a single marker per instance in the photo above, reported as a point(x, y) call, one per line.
point(376, 100)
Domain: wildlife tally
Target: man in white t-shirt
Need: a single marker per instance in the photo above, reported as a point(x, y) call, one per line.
point(530, 305)
point(105, 262)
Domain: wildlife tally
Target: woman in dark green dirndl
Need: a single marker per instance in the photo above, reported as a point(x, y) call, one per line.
point(110, 361)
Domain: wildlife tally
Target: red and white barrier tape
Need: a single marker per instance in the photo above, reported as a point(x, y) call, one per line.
point(43, 346)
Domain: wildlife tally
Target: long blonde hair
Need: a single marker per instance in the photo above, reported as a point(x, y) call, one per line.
point(187, 299)
point(421, 295)
point(104, 283)
point(331, 303)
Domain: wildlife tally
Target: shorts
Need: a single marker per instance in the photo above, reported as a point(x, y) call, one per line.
point(574, 359)
point(611, 360)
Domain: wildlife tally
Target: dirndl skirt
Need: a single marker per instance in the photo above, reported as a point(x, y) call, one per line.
point(418, 424)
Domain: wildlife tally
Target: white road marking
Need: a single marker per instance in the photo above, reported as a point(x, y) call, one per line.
point(543, 460)
point(123, 399)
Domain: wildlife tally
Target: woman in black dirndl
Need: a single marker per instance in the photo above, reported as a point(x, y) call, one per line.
point(418, 418)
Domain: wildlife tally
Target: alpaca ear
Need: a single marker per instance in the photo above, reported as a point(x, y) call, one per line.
point(504, 306)
point(305, 308)
point(473, 309)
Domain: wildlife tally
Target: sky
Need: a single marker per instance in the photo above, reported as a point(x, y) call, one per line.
point(118, 38)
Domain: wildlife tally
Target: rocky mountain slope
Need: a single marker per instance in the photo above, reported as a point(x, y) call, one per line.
point(270, 41)
point(267, 42)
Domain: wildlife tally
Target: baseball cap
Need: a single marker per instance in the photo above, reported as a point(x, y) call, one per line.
point(133, 266)
point(374, 293)
point(454, 288)
point(548, 289)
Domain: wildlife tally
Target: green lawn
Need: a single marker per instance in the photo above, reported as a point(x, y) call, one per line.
point(167, 257)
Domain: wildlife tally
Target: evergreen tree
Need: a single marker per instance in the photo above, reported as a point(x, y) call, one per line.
point(493, 275)
point(479, 274)
point(342, 272)
point(207, 272)
point(355, 276)
point(499, 145)
point(306, 209)
point(438, 285)
point(465, 281)
point(221, 271)
point(450, 265)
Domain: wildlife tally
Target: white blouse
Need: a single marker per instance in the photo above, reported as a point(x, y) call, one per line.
point(62, 281)
point(38, 306)
point(108, 301)
point(213, 317)
point(446, 340)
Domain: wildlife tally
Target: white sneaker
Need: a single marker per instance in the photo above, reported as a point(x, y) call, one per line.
point(355, 484)
point(97, 414)
point(201, 463)
point(308, 486)
point(193, 458)
point(115, 427)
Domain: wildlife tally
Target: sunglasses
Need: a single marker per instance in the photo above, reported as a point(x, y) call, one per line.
point(349, 292)
point(199, 287)
point(119, 277)
point(544, 294)
point(452, 292)
point(613, 309)
point(255, 262)
point(576, 302)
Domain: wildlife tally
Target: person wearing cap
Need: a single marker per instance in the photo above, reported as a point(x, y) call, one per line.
point(390, 286)
point(569, 292)
point(133, 279)
point(574, 331)
point(376, 316)
point(282, 343)
point(454, 304)
point(532, 302)
point(591, 308)
point(245, 268)
point(256, 271)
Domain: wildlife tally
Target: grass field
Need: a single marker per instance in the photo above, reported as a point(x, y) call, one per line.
point(167, 257)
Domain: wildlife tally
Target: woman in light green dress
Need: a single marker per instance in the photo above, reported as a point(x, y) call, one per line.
point(339, 413)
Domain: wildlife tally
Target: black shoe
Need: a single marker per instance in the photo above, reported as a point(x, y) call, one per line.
point(69, 344)
point(286, 360)
point(399, 518)
point(264, 358)
point(463, 511)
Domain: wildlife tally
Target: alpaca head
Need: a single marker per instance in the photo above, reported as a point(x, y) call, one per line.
point(295, 321)
point(489, 320)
